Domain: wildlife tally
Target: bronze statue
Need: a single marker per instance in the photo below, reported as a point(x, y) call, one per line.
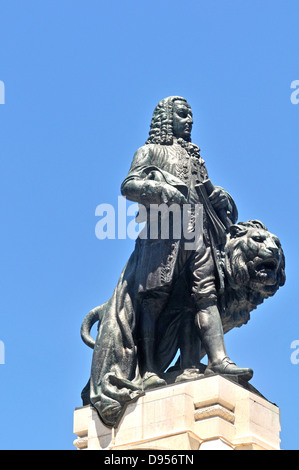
point(172, 295)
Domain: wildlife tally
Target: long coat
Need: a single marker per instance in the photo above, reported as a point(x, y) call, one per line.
point(166, 165)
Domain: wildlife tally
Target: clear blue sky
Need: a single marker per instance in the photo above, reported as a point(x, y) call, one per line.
point(81, 82)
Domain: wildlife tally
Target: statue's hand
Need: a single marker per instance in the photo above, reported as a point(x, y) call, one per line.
point(154, 192)
point(171, 195)
point(219, 199)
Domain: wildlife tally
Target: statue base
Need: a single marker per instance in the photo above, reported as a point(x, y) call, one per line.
point(211, 413)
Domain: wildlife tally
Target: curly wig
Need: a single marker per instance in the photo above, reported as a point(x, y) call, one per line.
point(161, 128)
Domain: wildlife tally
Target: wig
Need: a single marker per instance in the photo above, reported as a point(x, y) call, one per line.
point(161, 128)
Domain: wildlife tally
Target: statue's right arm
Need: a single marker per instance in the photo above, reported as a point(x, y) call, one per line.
point(147, 191)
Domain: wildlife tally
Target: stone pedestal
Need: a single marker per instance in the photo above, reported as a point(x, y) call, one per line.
point(211, 413)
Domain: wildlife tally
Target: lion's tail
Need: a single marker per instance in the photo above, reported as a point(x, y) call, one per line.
point(91, 318)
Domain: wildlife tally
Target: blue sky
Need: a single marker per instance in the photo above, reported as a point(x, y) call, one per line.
point(81, 82)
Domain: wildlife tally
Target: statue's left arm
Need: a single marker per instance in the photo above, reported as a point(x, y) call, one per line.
point(221, 200)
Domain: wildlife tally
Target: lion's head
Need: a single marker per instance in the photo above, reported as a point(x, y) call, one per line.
point(254, 257)
point(254, 266)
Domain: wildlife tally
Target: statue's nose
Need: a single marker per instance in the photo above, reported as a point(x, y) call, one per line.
point(273, 248)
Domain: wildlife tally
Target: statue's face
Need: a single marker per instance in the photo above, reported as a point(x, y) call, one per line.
point(182, 120)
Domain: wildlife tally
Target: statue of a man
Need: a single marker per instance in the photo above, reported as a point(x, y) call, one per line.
point(173, 169)
point(138, 335)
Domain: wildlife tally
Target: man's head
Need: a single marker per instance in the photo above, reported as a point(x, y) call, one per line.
point(172, 117)
point(182, 120)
